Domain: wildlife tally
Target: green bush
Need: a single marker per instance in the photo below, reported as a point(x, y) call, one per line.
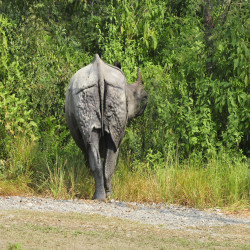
point(194, 60)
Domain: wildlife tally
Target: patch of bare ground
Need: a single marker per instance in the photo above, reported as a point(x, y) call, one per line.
point(56, 230)
point(244, 212)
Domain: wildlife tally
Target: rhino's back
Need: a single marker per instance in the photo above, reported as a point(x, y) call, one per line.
point(83, 102)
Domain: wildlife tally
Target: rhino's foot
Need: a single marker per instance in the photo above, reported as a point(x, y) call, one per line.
point(99, 196)
point(108, 193)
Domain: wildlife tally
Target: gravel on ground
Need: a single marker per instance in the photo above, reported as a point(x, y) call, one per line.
point(166, 216)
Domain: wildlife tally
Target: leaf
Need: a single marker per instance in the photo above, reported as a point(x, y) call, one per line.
point(122, 30)
point(7, 126)
point(4, 43)
point(32, 123)
point(20, 120)
point(236, 63)
point(154, 41)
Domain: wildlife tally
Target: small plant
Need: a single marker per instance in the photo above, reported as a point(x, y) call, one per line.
point(12, 246)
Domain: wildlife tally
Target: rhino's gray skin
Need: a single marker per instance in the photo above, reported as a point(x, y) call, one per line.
point(98, 104)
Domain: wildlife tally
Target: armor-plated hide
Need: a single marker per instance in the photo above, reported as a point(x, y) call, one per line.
point(96, 97)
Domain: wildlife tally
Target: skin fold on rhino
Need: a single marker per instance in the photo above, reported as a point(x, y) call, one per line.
point(98, 104)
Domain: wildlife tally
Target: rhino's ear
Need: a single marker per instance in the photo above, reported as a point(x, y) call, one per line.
point(117, 64)
point(139, 78)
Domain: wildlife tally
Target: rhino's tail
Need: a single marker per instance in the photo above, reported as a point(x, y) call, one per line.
point(101, 85)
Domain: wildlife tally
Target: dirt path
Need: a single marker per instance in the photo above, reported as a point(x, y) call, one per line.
point(39, 223)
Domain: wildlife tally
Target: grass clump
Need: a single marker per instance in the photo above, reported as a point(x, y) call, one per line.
point(45, 169)
point(217, 183)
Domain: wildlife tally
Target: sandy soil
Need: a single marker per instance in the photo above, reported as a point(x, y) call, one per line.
point(35, 223)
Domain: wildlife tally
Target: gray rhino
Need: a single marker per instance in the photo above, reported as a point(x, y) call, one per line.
point(98, 104)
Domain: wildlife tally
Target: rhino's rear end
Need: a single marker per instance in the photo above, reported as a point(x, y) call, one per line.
point(82, 104)
point(96, 99)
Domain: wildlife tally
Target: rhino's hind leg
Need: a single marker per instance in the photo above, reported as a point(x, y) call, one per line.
point(110, 163)
point(96, 165)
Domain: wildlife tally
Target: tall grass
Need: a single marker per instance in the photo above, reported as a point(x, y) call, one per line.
point(46, 170)
point(220, 182)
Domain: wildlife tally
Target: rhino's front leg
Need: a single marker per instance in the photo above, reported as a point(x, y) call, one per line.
point(96, 166)
point(110, 163)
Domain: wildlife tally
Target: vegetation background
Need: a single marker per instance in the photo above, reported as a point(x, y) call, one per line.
point(191, 146)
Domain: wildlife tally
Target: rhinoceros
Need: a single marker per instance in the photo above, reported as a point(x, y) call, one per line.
point(98, 104)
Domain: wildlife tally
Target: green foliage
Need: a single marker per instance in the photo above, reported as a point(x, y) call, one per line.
point(12, 246)
point(194, 60)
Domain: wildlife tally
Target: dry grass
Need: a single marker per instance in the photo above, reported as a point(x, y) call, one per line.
point(36, 230)
point(14, 188)
point(212, 185)
point(62, 174)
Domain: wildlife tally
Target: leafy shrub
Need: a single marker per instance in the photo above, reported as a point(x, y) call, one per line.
point(194, 59)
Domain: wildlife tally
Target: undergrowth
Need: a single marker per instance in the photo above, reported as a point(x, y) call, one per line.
point(221, 181)
point(217, 183)
point(189, 145)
